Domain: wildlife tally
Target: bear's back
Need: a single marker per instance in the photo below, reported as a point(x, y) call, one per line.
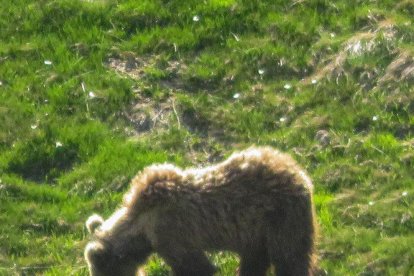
point(254, 168)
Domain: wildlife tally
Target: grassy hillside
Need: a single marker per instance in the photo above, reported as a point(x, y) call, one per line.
point(93, 91)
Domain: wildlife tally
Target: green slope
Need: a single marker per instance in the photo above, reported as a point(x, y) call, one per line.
point(93, 91)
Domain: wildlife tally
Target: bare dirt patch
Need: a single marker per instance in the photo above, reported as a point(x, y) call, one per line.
point(129, 65)
point(140, 67)
point(146, 114)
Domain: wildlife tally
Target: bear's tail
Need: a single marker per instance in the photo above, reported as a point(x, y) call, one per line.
point(94, 222)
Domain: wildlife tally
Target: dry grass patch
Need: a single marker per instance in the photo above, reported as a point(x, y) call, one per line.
point(361, 43)
point(401, 69)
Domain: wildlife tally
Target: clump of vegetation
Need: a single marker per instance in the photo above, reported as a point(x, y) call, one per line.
point(93, 91)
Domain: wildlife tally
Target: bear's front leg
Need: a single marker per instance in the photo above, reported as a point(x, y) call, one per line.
point(254, 263)
point(189, 263)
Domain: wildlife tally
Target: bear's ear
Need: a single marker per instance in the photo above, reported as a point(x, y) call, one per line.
point(94, 222)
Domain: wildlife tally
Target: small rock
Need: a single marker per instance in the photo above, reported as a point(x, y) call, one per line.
point(141, 121)
point(323, 137)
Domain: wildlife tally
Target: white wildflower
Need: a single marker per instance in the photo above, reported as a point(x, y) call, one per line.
point(314, 81)
point(405, 193)
point(58, 144)
point(33, 126)
point(48, 62)
point(375, 118)
point(370, 203)
point(287, 86)
point(91, 95)
point(282, 119)
point(261, 71)
point(332, 35)
point(196, 18)
point(236, 96)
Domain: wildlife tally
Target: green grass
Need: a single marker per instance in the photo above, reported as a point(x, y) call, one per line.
point(189, 83)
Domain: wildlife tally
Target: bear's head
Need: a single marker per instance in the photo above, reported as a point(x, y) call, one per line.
point(101, 257)
point(103, 262)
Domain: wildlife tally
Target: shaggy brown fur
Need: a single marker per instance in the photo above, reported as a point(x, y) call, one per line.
point(257, 203)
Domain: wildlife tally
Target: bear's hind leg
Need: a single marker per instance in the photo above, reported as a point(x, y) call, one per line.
point(294, 259)
point(290, 239)
point(294, 266)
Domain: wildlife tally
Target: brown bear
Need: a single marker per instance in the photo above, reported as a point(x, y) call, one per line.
point(257, 203)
